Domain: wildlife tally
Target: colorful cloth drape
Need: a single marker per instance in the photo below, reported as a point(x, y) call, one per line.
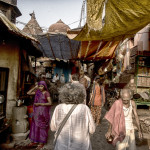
point(96, 50)
point(119, 19)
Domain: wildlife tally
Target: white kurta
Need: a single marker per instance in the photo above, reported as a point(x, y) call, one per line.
point(75, 134)
point(62, 79)
point(55, 78)
point(129, 140)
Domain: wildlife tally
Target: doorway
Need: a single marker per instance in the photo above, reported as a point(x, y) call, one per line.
point(4, 72)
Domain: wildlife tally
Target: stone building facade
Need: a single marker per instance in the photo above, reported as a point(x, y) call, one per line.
point(10, 9)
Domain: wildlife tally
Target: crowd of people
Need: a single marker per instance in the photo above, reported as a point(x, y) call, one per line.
point(78, 114)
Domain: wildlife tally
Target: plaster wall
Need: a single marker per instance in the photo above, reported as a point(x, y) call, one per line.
point(141, 39)
point(6, 10)
point(9, 58)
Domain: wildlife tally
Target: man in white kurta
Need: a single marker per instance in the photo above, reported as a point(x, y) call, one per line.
point(55, 78)
point(75, 134)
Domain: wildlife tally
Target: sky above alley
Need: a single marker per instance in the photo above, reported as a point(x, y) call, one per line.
point(48, 12)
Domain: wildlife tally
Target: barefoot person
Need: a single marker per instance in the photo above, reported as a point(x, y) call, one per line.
point(41, 115)
point(121, 123)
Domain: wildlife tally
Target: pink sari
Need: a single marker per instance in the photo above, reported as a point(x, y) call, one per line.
point(41, 117)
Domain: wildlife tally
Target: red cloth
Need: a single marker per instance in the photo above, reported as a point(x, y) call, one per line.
point(74, 70)
point(98, 93)
point(97, 98)
point(116, 117)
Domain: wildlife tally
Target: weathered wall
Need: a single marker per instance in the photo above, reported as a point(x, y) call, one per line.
point(6, 10)
point(9, 58)
point(142, 39)
point(11, 1)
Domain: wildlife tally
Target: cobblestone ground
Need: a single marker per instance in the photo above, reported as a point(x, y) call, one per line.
point(97, 139)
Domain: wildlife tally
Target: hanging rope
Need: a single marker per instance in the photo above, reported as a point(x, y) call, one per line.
point(82, 16)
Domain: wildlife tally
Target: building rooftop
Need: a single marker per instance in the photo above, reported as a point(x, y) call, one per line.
point(32, 27)
point(59, 26)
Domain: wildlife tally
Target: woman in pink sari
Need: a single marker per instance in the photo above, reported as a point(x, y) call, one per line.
point(41, 115)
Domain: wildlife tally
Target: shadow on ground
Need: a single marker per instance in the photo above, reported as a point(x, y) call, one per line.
point(97, 139)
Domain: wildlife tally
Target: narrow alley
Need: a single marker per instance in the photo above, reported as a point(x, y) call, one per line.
point(74, 54)
point(97, 139)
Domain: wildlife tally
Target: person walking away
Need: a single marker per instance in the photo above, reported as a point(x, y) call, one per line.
point(88, 79)
point(41, 115)
point(96, 98)
point(75, 134)
point(75, 80)
point(121, 123)
point(82, 79)
point(88, 87)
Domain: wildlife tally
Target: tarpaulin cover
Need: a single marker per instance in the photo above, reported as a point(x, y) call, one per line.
point(123, 18)
point(58, 46)
point(97, 50)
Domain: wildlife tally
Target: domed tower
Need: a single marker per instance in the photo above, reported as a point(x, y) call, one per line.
point(59, 27)
point(32, 27)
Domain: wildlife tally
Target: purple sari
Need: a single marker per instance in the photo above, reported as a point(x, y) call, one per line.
point(41, 117)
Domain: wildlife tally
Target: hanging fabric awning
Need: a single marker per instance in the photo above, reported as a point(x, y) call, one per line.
point(97, 50)
point(58, 46)
point(120, 19)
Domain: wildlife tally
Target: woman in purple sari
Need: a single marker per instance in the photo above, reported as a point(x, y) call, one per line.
point(41, 115)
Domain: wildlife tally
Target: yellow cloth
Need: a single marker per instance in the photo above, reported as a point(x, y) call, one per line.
point(122, 19)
